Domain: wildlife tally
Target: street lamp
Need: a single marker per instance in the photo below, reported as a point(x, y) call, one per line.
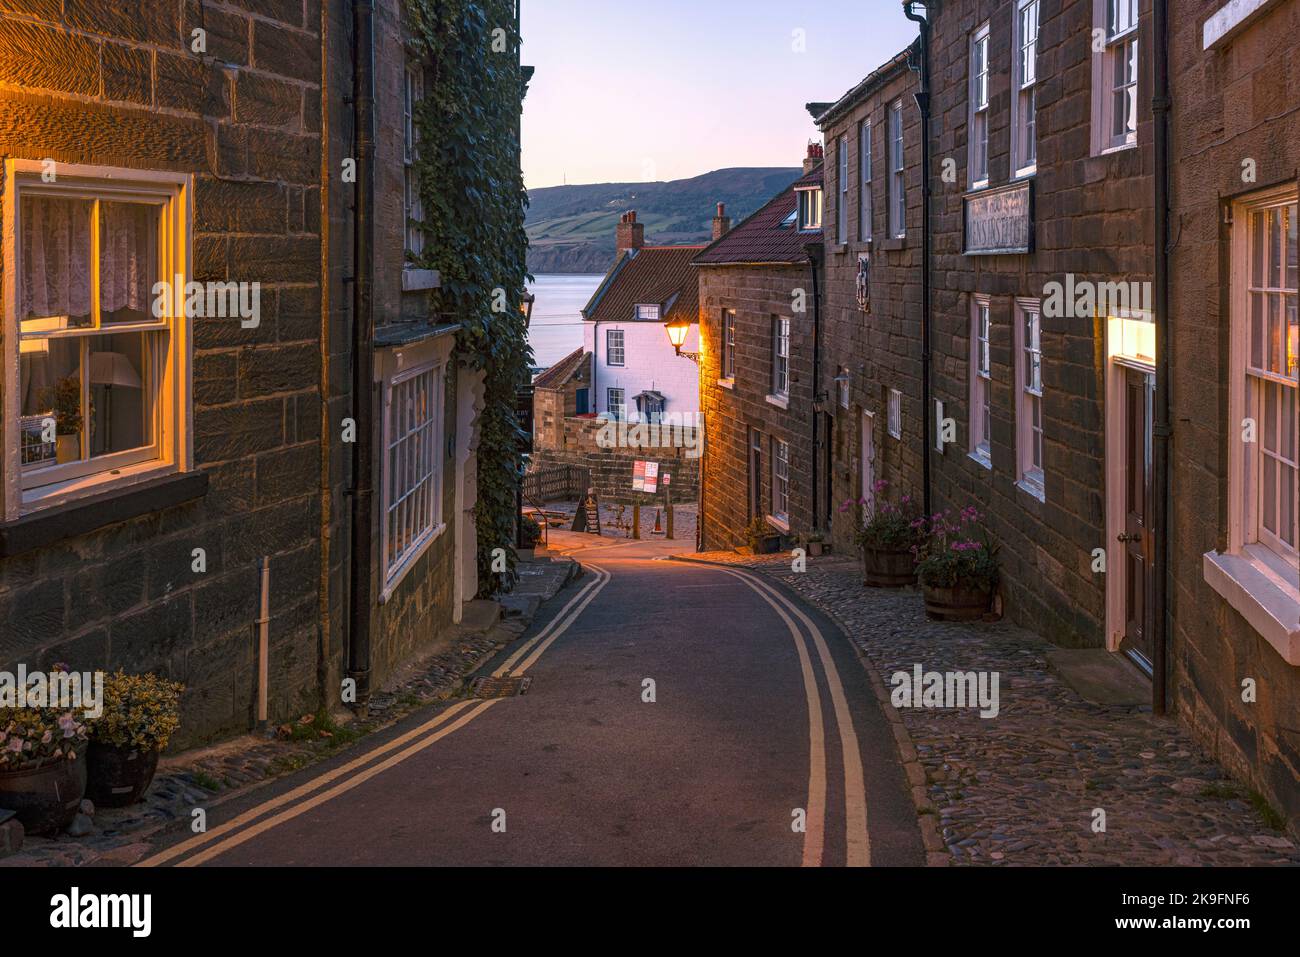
point(678, 329)
point(526, 307)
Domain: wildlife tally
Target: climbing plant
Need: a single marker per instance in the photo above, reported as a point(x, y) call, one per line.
point(473, 196)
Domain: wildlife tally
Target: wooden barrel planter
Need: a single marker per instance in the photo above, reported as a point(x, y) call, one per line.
point(884, 568)
point(959, 603)
point(118, 776)
point(45, 799)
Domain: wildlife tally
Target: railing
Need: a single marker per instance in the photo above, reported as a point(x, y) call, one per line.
point(565, 483)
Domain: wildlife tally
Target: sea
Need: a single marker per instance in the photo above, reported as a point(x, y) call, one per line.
point(556, 328)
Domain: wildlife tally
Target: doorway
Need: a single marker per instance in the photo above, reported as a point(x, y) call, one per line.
point(1130, 508)
point(755, 474)
point(868, 465)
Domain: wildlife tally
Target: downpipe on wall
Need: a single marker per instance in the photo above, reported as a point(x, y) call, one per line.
point(922, 69)
point(1161, 428)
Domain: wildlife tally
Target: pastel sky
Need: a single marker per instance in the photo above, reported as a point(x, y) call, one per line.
point(668, 89)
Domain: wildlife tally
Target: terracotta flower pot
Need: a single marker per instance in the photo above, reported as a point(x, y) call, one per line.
point(118, 776)
point(888, 568)
point(45, 799)
point(959, 603)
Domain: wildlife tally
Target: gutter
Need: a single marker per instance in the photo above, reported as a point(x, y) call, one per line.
point(1161, 429)
point(363, 359)
point(922, 67)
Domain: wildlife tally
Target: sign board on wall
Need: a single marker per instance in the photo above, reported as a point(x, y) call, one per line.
point(652, 476)
point(999, 222)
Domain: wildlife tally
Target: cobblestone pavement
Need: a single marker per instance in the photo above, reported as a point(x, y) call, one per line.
point(206, 777)
point(1022, 788)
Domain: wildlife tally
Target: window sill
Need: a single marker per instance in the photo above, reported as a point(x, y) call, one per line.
point(85, 515)
point(839, 249)
point(1030, 487)
point(414, 280)
point(1269, 602)
point(779, 523)
point(1112, 150)
point(780, 401)
point(396, 578)
point(1029, 172)
point(727, 383)
point(980, 459)
point(894, 244)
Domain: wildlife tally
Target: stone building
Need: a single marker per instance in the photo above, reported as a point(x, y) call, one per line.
point(759, 299)
point(1234, 342)
point(195, 436)
point(871, 361)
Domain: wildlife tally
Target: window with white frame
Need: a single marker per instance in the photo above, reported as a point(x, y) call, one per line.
point(1024, 79)
point(616, 403)
point(413, 93)
point(781, 481)
point(1029, 392)
point(101, 352)
point(894, 414)
point(648, 312)
point(981, 381)
point(1270, 329)
point(810, 209)
point(897, 182)
point(412, 466)
point(842, 194)
point(864, 163)
point(780, 356)
point(842, 386)
point(978, 127)
point(615, 354)
point(1115, 75)
point(728, 343)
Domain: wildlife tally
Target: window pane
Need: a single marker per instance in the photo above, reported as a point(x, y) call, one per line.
point(119, 380)
point(1275, 248)
point(1270, 416)
point(128, 261)
point(1292, 249)
point(1275, 331)
point(1257, 336)
point(55, 262)
point(50, 388)
point(1258, 250)
point(1268, 505)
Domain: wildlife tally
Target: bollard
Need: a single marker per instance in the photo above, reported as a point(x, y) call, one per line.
point(636, 521)
point(670, 520)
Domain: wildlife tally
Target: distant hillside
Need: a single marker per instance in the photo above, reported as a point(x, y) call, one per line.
point(571, 228)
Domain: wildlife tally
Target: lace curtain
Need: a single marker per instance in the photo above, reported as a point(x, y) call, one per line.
point(56, 257)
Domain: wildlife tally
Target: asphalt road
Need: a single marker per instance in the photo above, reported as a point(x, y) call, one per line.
point(727, 765)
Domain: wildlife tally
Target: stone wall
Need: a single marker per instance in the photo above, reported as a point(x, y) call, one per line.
point(732, 409)
point(611, 468)
point(117, 85)
point(1226, 105)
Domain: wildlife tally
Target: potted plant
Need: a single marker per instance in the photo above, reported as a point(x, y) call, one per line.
point(531, 533)
point(64, 400)
point(957, 566)
point(141, 712)
point(813, 543)
point(887, 538)
point(762, 538)
point(42, 766)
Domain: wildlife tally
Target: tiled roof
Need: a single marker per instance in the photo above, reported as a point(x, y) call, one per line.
point(659, 275)
point(558, 374)
point(765, 237)
point(826, 114)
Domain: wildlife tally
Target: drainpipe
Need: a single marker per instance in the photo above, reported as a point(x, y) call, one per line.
point(814, 251)
point(264, 646)
point(922, 68)
point(1161, 429)
point(363, 332)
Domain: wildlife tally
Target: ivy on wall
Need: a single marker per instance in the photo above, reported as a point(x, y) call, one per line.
point(473, 196)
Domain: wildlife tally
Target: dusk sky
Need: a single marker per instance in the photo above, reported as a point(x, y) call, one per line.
point(633, 92)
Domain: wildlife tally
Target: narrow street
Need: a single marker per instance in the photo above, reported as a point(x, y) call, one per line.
point(763, 745)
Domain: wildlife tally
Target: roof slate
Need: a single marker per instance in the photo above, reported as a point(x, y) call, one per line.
point(762, 238)
point(558, 374)
point(659, 275)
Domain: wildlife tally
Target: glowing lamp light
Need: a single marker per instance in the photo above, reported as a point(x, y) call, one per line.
point(678, 330)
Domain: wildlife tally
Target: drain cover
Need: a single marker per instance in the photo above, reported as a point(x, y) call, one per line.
point(499, 687)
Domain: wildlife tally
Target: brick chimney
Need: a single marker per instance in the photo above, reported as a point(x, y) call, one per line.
point(814, 158)
point(630, 234)
point(721, 222)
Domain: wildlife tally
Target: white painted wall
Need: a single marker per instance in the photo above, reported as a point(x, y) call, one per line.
point(651, 363)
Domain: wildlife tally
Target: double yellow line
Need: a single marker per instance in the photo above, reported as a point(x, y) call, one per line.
point(855, 793)
point(301, 799)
